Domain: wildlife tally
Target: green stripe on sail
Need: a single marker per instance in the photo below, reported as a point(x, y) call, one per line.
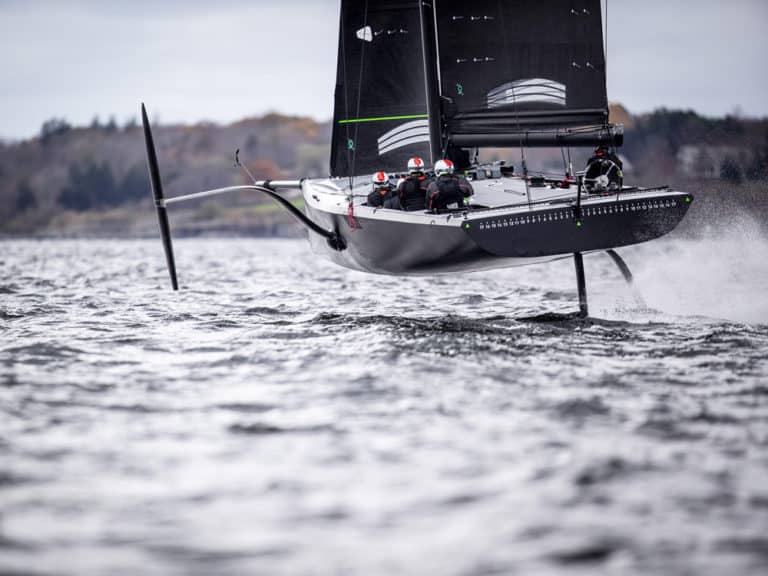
point(383, 118)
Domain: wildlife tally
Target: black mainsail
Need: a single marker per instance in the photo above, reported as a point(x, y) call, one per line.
point(381, 112)
point(541, 60)
point(522, 69)
point(415, 78)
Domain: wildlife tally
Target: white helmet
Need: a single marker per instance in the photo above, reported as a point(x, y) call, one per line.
point(444, 167)
point(380, 179)
point(415, 164)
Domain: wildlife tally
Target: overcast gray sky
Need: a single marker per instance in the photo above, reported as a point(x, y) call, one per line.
point(222, 60)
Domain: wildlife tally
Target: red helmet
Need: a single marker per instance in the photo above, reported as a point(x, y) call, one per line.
point(380, 179)
point(444, 167)
point(415, 164)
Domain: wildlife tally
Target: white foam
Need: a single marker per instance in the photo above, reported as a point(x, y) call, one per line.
point(724, 274)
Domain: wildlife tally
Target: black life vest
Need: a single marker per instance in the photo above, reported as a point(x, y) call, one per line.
point(446, 190)
point(377, 197)
point(413, 193)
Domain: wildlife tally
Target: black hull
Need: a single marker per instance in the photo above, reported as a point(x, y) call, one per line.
point(549, 231)
point(386, 247)
point(498, 240)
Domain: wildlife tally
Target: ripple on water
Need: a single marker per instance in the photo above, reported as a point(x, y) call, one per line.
point(609, 469)
point(284, 416)
point(264, 429)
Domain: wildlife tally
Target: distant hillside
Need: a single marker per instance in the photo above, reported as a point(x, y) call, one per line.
point(87, 181)
point(77, 181)
point(723, 161)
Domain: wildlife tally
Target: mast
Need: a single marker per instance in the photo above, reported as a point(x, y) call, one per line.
point(431, 81)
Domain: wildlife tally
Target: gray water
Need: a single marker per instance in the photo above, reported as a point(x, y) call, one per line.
point(282, 415)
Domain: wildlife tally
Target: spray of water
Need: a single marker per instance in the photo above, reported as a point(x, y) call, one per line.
point(722, 274)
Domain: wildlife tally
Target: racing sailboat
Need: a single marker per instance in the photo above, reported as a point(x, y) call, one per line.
point(444, 79)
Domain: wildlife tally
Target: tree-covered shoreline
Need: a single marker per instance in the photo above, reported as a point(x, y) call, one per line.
point(92, 181)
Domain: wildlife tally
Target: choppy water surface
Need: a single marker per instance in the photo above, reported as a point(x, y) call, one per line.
point(281, 415)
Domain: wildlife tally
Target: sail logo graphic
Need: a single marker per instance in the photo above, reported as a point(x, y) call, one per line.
point(528, 91)
point(406, 134)
point(365, 34)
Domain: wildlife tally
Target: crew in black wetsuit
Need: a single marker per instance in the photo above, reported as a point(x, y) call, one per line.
point(447, 189)
point(412, 190)
point(604, 172)
point(382, 192)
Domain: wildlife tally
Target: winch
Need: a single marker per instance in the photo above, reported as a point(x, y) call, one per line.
point(604, 172)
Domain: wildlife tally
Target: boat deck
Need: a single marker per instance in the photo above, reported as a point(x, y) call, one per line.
point(493, 195)
point(501, 226)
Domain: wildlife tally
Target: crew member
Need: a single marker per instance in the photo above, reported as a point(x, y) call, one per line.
point(382, 190)
point(604, 172)
point(412, 190)
point(447, 188)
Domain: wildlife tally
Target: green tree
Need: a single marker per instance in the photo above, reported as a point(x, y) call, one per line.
point(111, 125)
point(252, 144)
point(53, 128)
point(135, 184)
point(101, 183)
point(25, 196)
point(74, 196)
point(730, 171)
point(92, 186)
point(757, 170)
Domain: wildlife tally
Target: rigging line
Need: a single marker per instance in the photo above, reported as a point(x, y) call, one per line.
point(357, 107)
point(428, 99)
point(443, 128)
point(346, 91)
point(522, 150)
point(437, 50)
point(606, 46)
point(565, 164)
point(525, 172)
